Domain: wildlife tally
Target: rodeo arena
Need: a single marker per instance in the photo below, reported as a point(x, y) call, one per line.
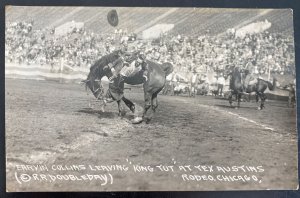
point(112, 86)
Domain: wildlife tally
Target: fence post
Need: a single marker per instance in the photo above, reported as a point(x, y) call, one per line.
point(61, 69)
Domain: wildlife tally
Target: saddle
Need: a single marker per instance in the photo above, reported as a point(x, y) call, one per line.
point(250, 80)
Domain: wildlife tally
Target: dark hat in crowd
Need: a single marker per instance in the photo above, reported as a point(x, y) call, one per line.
point(112, 18)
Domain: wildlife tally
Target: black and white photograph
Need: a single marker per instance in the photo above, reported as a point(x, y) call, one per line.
point(149, 99)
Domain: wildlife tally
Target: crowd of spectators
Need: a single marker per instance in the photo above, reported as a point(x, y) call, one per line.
point(258, 52)
point(80, 48)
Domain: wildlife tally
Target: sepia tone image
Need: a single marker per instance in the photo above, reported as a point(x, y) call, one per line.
point(149, 99)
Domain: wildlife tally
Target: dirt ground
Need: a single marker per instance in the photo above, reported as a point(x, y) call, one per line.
point(48, 123)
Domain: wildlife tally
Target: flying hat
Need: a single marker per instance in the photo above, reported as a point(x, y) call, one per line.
point(112, 18)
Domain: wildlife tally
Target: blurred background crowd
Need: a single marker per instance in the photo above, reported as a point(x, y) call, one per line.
point(260, 52)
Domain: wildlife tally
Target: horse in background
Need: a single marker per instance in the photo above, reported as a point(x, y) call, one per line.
point(156, 80)
point(291, 88)
point(239, 86)
point(292, 95)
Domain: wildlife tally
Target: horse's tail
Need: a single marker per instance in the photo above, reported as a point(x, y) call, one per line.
point(272, 86)
point(167, 67)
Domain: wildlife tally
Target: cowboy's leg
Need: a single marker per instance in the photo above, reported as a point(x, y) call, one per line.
point(125, 72)
point(129, 104)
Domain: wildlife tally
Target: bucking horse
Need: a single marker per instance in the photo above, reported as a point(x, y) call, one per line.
point(238, 86)
point(156, 80)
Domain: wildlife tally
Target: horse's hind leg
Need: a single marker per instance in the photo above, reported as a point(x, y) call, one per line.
point(154, 102)
point(239, 96)
point(230, 98)
point(148, 99)
point(262, 100)
point(256, 97)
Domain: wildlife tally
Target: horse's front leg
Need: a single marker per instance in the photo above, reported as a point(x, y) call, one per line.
point(121, 109)
point(262, 98)
point(107, 99)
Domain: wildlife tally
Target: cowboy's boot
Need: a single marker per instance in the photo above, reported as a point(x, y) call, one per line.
point(145, 76)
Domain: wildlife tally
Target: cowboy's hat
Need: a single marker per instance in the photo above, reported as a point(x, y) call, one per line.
point(112, 18)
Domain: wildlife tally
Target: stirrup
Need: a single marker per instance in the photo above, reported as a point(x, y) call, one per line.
point(145, 78)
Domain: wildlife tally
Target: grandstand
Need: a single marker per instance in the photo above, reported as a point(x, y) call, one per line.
point(187, 21)
point(215, 48)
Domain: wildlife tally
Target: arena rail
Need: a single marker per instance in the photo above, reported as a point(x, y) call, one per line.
point(60, 73)
point(67, 74)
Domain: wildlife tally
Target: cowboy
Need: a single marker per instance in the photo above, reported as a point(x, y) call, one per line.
point(133, 63)
point(122, 55)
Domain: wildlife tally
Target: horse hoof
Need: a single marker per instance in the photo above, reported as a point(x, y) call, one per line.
point(122, 113)
point(137, 120)
point(147, 120)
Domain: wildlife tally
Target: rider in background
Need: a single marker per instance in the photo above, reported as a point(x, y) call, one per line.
point(250, 77)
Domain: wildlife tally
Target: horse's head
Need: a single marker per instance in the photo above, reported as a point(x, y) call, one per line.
point(93, 81)
point(236, 74)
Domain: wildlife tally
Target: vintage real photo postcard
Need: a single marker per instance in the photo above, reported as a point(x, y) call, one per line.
point(149, 99)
